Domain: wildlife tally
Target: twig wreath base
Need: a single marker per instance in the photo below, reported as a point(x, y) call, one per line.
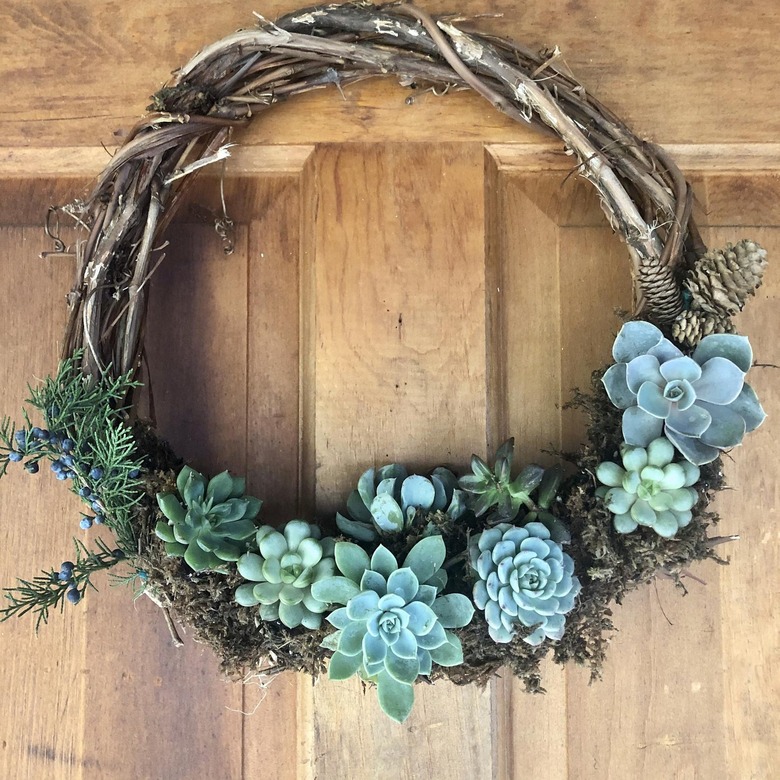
point(543, 572)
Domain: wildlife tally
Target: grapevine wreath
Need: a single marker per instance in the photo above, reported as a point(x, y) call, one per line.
point(420, 576)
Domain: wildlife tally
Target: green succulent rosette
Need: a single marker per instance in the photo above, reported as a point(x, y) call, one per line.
point(650, 489)
point(393, 625)
point(210, 521)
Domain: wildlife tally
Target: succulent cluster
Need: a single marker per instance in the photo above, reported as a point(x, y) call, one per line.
point(388, 499)
point(700, 403)
point(214, 522)
point(281, 574)
point(524, 579)
point(393, 625)
point(650, 489)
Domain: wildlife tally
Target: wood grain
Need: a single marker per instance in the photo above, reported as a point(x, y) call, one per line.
point(77, 73)
point(524, 389)
point(43, 707)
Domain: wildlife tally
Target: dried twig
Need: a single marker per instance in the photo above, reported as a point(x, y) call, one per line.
point(645, 197)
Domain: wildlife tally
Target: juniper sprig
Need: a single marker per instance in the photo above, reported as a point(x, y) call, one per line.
point(87, 440)
point(50, 589)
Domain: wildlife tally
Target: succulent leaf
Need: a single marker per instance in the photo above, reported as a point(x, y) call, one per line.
point(164, 531)
point(450, 653)
point(335, 590)
point(548, 487)
point(387, 515)
point(395, 698)
point(171, 507)
point(426, 557)
point(245, 595)
point(453, 610)
point(481, 469)
point(366, 487)
point(220, 488)
point(351, 560)
point(361, 531)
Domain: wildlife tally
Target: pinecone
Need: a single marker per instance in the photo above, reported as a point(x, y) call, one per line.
point(691, 326)
point(721, 280)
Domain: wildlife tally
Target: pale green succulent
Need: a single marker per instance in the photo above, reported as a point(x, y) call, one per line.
point(281, 574)
point(213, 524)
point(650, 489)
point(394, 624)
point(387, 500)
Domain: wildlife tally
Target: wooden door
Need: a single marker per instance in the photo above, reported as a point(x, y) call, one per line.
point(412, 281)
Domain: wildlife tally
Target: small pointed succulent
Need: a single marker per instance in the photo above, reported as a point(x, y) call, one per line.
point(213, 524)
point(650, 489)
point(393, 625)
point(531, 493)
point(701, 403)
point(524, 579)
point(489, 488)
point(387, 500)
point(281, 574)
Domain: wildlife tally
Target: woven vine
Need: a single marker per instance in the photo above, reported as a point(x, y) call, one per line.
point(645, 197)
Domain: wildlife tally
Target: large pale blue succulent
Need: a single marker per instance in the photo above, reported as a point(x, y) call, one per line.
point(525, 579)
point(650, 489)
point(387, 500)
point(700, 403)
point(393, 625)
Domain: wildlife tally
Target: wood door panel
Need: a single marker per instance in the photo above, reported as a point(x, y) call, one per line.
point(384, 302)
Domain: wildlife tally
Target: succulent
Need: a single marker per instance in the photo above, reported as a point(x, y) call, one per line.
point(394, 624)
point(700, 403)
point(387, 500)
point(650, 489)
point(281, 575)
point(525, 579)
point(494, 487)
point(531, 494)
point(214, 523)
point(546, 494)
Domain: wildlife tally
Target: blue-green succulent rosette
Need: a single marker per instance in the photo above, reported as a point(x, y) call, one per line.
point(700, 403)
point(394, 623)
point(524, 580)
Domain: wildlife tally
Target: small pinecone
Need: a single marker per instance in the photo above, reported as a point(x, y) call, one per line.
point(691, 326)
point(721, 280)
